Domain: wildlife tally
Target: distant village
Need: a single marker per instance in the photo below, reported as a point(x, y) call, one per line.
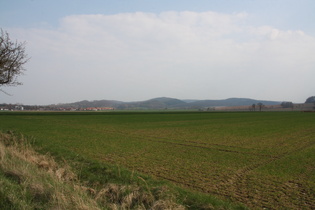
point(20, 107)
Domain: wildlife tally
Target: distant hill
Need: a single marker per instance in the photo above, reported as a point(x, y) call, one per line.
point(231, 102)
point(155, 103)
point(87, 104)
point(167, 103)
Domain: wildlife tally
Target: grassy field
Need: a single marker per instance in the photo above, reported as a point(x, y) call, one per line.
point(260, 159)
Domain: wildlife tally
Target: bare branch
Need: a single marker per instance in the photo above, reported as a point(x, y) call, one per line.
point(12, 60)
point(5, 92)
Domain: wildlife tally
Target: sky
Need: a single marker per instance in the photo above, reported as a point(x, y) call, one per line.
point(133, 50)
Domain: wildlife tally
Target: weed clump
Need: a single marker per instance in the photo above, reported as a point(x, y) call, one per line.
point(133, 197)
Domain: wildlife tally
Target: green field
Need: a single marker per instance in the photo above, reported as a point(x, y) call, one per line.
point(260, 159)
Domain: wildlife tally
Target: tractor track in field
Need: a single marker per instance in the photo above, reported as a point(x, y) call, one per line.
point(205, 147)
point(237, 182)
point(201, 145)
point(235, 186)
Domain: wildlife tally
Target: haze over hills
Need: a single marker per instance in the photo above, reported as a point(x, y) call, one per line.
point(168, 103)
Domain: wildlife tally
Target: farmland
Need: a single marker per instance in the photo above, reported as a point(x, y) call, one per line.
point(260, 159)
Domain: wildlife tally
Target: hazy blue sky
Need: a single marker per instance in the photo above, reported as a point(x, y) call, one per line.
point(134, 50)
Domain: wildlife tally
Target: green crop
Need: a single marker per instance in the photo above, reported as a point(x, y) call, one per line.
point(261, 159)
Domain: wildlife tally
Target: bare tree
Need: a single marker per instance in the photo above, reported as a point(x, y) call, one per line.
point(12, 60)
point(260, 106)
point(287, 105)
point(310, 99)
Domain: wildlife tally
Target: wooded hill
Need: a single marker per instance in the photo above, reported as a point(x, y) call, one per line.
point(167, 103)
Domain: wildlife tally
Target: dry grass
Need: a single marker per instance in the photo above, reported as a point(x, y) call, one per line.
point(30, 180)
